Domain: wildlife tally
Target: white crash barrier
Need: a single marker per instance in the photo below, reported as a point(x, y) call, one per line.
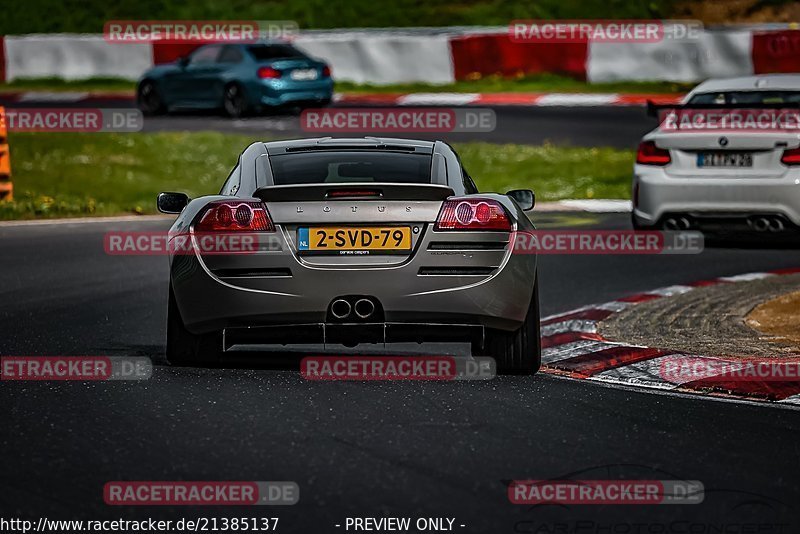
point(383, 59)
point(713, 54)
point(387, 56)
point(74, 57)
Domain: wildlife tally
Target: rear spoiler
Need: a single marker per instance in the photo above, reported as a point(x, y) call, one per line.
point(353, 191)
point(653, 108)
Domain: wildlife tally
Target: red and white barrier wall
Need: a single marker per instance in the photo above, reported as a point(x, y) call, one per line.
point(436, 56)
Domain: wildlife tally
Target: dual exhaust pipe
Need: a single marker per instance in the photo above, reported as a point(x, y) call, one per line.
point(676, 224)
point(362, 308)
point(764, 224)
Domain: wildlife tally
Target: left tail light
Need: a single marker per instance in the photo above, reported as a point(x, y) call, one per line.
point(234, 216)
point(268, 73)
point(473, 214)
point(650, 154)
point(326, 71)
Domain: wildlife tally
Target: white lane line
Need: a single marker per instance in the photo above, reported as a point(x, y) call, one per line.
point(576, 310)
point(745, 277)
point(86, 220)
point(614, 305)
point(670, 291)
point(577, 99)
point(44, 96)
point(645, 374)
point(598, 205)
point(437, 99)
point(576, 325)
point(576, 348)
point(676, 393)
point(794, 399)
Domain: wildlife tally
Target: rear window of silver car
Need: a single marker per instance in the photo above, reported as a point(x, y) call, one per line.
point(747, 97)
point(345, 167)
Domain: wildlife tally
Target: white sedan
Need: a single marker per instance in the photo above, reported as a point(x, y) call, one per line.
point(727, 158)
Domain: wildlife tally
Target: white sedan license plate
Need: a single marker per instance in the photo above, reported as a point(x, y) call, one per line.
point(303, 74)
point(724, 159)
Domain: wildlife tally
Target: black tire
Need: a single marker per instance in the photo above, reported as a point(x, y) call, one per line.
point(318, 104)
point(185, 348)
point(520, 351)
point(148, 99)
point(234, 101)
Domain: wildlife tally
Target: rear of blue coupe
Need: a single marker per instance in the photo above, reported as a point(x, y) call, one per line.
point(239, 79)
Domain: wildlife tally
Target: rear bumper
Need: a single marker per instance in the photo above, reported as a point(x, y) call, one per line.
point(344, 334)
point(659, 195)
point(296, 292)
point(282, 92)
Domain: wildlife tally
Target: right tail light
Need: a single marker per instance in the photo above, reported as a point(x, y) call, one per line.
point(650, 154)
point(791, 157)
point(473, 214)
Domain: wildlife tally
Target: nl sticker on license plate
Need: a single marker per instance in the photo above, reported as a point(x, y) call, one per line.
point(724, 159)
point(354, 240)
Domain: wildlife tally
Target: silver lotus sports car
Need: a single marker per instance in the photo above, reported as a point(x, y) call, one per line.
point(367, 240)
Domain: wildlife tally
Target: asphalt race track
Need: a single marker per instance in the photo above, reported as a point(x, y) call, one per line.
point(620, 127)
point(615, 126)
point(412, 449)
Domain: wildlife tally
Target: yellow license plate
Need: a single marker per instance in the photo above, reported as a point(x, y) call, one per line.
point(354, 240)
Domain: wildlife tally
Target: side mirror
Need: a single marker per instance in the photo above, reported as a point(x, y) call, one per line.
point(183, 61)
point(524, 197)
point(172, 202)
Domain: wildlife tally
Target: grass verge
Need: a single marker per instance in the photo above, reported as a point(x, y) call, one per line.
point(75, 175)
point(46, 16)
point(542, 83)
